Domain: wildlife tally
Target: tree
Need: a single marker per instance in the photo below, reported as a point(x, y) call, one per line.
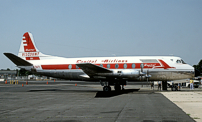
point(27, 73)
point(23, 72)
point(198, 66)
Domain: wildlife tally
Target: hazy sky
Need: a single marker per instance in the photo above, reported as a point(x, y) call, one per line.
point(80, 28)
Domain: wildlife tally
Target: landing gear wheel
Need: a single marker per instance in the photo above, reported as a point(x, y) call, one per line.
point(117, 87)
point(106, 88)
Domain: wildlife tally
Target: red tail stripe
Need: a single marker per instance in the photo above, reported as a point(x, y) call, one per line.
point(32, 58)
point(30, 46)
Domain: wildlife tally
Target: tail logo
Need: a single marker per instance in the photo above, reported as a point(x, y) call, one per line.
point(28, 49)
point(27, 43)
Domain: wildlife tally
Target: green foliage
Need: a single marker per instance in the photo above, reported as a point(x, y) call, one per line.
point(23, 72)
point(198, 66)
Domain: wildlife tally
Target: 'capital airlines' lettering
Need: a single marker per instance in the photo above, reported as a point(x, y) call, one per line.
point(87, 61)
point(114, 61)
point(30, 54)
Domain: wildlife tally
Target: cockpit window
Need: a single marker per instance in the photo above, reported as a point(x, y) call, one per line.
point(183, 61)
point(178, 61)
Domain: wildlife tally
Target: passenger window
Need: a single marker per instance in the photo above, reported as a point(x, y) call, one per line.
point(133, 66)
point(108, 66)
point(70, 66)
point(142, 65)
point(116, 66)
point(101, 65)
point(125, 66)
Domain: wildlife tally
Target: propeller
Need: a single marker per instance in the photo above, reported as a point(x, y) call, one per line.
point(148, 76)
point(141, 71)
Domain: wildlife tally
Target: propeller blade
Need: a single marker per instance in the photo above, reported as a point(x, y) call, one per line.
point(142, 66)
point(147, 75)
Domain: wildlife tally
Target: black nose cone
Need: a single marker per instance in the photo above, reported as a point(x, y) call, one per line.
point(197, 72)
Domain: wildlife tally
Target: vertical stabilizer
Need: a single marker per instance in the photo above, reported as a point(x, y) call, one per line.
point(28, 50)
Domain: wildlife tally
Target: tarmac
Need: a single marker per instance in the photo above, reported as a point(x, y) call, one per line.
point(76, 101)
point(189, 101)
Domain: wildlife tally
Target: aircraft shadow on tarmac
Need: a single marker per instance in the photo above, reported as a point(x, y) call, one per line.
point(60, 90)
point(114, 93)
point(99, 94)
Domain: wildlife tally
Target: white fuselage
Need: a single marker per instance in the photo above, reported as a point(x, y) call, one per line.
point(159, 67)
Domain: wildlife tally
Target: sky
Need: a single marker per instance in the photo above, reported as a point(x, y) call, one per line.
point(91, 28)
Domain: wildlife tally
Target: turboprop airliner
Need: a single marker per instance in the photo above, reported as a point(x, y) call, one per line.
point(109, 71)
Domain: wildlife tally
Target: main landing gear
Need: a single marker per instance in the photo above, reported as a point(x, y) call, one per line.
point(106, 88)
point(117, 86)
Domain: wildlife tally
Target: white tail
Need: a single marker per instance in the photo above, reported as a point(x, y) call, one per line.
point(28, 50)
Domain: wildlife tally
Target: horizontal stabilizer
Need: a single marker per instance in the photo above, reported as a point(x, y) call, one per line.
point(91, 69)
point(17, 60)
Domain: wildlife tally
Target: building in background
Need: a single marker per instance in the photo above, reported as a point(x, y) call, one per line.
point(5, 74)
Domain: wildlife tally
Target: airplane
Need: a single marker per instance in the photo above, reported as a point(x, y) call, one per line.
point(109, 71)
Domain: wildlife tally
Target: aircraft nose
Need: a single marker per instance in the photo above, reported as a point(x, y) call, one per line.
point(197, 72)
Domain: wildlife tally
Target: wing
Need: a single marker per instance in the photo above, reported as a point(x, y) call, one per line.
point(93, 70)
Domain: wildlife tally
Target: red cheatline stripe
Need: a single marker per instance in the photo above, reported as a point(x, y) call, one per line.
point(52, 67)
point(165, 65)
point(112, 66)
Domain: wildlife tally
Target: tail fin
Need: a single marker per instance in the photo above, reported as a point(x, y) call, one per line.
point(28, 50)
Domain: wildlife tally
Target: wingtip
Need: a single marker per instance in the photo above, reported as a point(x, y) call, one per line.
point(8, 54)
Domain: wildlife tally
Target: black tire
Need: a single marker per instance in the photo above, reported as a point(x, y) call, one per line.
point(106, 88)
point(189, 85)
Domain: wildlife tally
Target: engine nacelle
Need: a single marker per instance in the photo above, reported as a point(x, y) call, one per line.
point(127, 73)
